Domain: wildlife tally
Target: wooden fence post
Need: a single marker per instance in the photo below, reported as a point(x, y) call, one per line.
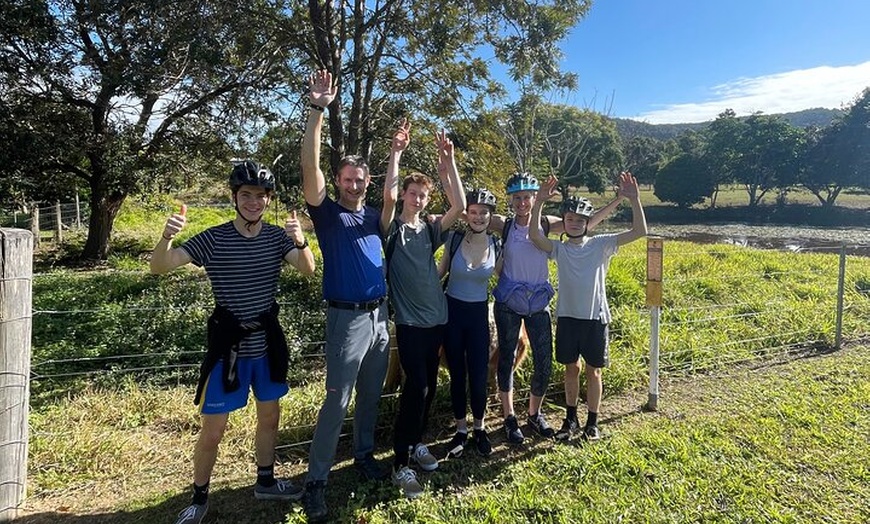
point(58, 221)
point(34, 222)
point(16, 274)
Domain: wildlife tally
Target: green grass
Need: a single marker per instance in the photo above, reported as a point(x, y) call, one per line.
point(778, 443)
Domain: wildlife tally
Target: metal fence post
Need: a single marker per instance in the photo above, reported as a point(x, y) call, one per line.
point(654, 252)
point(841, 287)
point(16, 274)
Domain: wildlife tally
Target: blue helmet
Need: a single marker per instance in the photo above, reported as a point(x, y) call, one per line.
point(481, 196)
point(250, 173)
point(572, 204)
point(522, 182)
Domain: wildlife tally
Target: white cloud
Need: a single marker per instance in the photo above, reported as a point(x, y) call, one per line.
point(824, 86)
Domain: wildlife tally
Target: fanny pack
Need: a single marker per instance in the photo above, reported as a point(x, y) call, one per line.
point(524, 299)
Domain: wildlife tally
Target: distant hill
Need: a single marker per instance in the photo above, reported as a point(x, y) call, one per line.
point(630, 128)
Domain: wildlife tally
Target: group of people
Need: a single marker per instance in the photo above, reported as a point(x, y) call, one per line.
point(376, 260)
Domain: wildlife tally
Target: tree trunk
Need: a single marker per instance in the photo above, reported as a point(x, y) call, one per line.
point(104, 205)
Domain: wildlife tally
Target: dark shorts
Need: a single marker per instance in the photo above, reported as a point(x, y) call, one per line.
point(577, 338)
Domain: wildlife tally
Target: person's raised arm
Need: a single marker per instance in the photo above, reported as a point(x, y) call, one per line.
point(628, 189)
point(166, 258)
point(600, 215)
point(321, 95)
point(546, 192)
point(400, 142)
point(301, 258)
point(450, 180)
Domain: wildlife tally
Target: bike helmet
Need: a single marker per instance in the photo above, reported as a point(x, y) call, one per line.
point(481, 196)
point(250, 173)
point(522, 182)
point(572, 204)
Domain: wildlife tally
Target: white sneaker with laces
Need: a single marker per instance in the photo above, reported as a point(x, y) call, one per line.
point(423, 458)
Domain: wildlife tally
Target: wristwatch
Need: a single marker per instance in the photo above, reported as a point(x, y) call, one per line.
point(303, 245)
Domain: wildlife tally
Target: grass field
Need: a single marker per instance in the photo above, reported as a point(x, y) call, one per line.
point(781, 442)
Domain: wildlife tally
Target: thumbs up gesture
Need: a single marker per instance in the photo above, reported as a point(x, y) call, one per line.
point(175, 223)
point(293, 228)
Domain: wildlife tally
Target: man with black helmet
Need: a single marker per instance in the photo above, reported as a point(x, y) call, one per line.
point(582, 311)
point(357, 340)
point(246, 345)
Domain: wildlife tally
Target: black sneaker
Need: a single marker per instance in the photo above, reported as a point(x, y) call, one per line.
point(369, 468)
point(512, 428)
point(481, 443)
point(569, 427)
point(538, 423)
point(591, 433)
point(315, 501)
point(457, 445)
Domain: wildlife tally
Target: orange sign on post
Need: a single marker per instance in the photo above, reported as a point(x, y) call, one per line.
point(654, 251)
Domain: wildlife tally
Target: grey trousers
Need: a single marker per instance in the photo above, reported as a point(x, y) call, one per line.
point(357, 355)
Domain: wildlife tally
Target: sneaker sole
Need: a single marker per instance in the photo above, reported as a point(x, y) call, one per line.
point(412, 496)
point(456, 452)
point(270, 496)
point(431, 467)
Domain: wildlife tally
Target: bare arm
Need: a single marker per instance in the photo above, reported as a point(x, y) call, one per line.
point(321, 95)
point(400, 142)
point(165, 258)
point(496, 225)
point(628, 189)
point(301, 258)
point(600, 215)
point(546, 192)
point(451, 182)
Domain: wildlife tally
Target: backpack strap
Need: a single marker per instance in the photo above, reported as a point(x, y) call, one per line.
point(453, 246)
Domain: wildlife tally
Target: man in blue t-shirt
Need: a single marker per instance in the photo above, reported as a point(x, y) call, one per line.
point(246, 346)
point(357, 340)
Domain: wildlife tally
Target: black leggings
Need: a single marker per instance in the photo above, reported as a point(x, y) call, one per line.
point(466, 344)
point(418, 354)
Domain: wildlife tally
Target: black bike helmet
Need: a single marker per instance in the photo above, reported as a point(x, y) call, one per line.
point(522, 182)
point(581, 206)
point(481, 196)
point(250, 173)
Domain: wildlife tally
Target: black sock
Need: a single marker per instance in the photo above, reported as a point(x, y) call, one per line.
point(572, 413)
point(200, 494)
point(266, 475)
point(591, 419)
point(401, 460)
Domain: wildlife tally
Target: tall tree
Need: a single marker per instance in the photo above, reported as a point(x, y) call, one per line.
point(135, 78)
point(768, 155)
point(428, 54)
point(643, 157)
point(838, 156)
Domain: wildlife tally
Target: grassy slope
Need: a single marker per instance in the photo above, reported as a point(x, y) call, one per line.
point(780, 443)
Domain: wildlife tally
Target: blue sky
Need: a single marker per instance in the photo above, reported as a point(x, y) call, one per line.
point(667, 61)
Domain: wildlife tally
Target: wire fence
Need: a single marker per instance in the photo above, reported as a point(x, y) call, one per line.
point(696, 336)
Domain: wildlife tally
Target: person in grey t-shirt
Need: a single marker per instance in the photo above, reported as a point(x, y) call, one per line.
point(415, 293)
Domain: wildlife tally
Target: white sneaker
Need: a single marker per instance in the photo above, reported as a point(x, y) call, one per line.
point(423, 458)
point(406, 479)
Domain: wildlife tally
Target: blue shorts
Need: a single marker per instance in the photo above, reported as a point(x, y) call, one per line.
point(253, 374)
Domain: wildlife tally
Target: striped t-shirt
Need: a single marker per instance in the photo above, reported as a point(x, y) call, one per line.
point(243, 272)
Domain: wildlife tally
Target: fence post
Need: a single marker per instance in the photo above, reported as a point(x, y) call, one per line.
point(79, 211)
point(16, 275)
point(58, 221)
point(841, 288)
point(654, 252)
point(34, 222)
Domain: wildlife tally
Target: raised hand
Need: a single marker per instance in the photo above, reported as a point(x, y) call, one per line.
point(445, 151)
point(402, 137)
point(175, 223)
point(293, 228)
point(322, 91)
point(628, 186)
point(548, 189)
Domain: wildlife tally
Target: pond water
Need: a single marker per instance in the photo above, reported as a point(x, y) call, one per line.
point(789, 238)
